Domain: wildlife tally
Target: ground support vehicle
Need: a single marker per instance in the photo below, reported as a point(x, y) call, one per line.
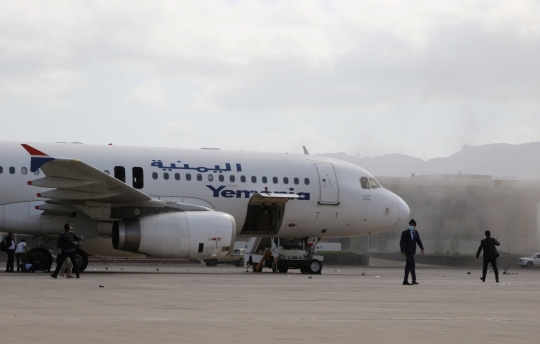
point(530, 261)
point(236, 258)
point(280, 255)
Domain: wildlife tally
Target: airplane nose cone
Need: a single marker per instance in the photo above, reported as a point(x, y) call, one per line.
point(404, 210)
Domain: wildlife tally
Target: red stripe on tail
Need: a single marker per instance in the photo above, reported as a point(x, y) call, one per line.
point(32, 150)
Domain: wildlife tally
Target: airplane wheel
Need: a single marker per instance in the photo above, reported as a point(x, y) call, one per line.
point(212, 262)
point(81, 258)
point(41, 258)
point(314, 266)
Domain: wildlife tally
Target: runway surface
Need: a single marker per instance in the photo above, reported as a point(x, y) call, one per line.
point(225, 304)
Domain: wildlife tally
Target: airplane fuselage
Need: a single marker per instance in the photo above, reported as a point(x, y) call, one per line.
point(331, 200)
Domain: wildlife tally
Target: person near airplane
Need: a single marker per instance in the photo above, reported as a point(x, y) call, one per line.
point(20, 254)
point(409, 239)
point(67, 265)
point(490, 255)
point(68, 241)
point(10, 244)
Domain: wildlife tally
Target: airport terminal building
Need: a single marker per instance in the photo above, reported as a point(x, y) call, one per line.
point(453, 211)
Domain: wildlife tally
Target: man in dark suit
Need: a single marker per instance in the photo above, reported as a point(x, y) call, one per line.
point(490, 255)
point(409, 239)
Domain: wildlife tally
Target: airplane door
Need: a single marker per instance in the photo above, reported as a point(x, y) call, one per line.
point(328, 183)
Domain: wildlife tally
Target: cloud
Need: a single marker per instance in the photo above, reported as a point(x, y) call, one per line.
point(372, 77)
point(48, 88)
point(150, 93)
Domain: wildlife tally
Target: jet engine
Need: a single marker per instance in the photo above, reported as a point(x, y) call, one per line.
point(190, 234)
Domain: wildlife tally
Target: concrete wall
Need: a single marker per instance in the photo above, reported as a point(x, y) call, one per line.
point(453, 213)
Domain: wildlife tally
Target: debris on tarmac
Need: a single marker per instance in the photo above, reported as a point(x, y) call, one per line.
point(101, 286)
point(505, 284)
point(468, 273)
point(377, 276)
point(310, 277)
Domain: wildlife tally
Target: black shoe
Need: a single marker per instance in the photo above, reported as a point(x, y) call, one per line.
point(53, 275)
point(414, 282)
point(497, 280)
point(406, 283)
point(483, 280)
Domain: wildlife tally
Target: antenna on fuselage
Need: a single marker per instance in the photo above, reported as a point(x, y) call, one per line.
point(305, 150)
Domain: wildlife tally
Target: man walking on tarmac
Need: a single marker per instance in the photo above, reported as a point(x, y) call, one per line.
point(68, 241)
point(409, 239)
point(490, 255)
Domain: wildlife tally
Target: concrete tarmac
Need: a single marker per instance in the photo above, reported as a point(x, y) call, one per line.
point(225, 304)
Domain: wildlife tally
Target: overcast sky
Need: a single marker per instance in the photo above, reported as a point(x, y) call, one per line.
point(367, 78)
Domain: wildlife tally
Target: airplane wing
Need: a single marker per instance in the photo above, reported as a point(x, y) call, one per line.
point(99, 195)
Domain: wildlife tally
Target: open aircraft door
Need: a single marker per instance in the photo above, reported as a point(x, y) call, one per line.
point(328, 183)
point(265, 213)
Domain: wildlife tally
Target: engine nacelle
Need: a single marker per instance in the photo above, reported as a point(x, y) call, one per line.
point(190, 234)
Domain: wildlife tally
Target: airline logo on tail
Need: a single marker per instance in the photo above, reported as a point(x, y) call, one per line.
point(38, 158)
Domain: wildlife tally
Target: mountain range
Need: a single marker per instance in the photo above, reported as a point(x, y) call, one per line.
point(499, 160)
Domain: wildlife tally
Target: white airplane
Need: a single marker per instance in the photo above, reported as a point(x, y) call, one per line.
point(185, 203)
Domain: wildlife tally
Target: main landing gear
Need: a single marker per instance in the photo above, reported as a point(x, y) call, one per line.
point(43, 258)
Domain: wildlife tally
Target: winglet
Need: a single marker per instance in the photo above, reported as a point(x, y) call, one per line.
point(38, 158)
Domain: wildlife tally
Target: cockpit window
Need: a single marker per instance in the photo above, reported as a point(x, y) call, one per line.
point(374, 184)
point(364, 183)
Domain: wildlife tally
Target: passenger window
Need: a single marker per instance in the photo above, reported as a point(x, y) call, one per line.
point(120, 173)
point(12, 170)
point(199, 176)
point(177, 176)
point(24, 170)
point(210, 177)
point(306, 181)
point(221, 178)
point(364, 183)
point(264, 180)
point(231, 178)
point(1, 170)
point(166, 176)
point(253, 179)
point(296, 181)
point(285, 180)
point(275, 180)
point(107, 172)
point(188, 176)
point(374, 184)
point(138, 178)
point(243, 179)
point(154, 175)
